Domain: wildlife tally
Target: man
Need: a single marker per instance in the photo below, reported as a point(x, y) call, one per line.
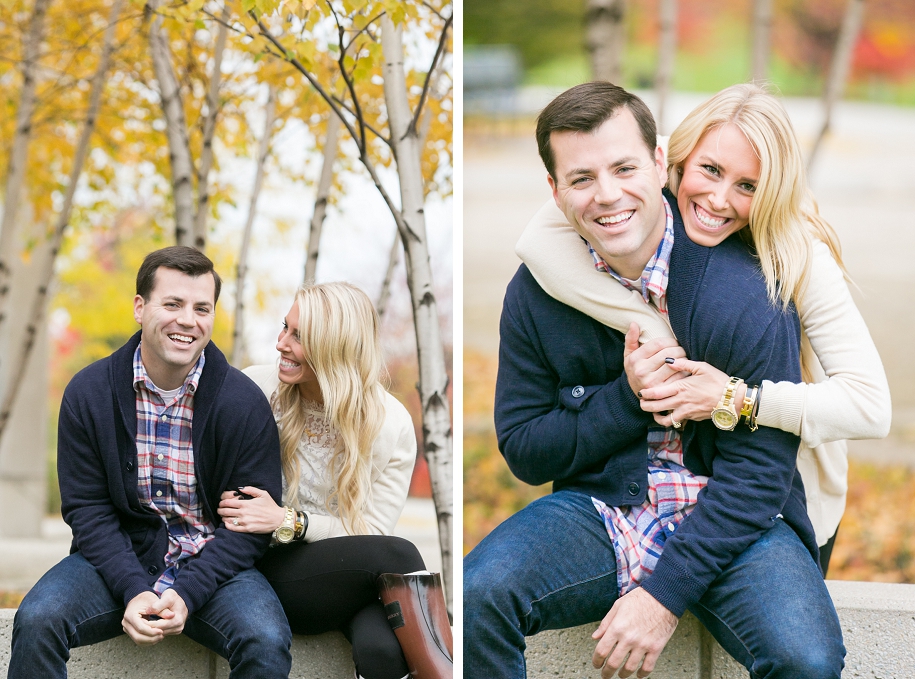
point(719, 525)
point(149, 438)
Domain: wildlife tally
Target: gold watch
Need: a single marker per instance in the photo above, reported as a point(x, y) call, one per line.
point(724, 416)
point(286, 530)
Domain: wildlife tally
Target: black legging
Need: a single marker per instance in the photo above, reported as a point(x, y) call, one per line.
point(330, 585)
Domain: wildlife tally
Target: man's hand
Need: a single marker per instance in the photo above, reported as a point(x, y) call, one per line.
point(172, 612)
point(644, 365)
point(638, 626)
point(136, 622)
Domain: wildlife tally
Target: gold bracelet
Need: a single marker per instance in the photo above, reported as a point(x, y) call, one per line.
point(749, 407)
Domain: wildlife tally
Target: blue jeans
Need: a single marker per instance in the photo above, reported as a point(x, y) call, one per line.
point(72, 606)
point(552, 566)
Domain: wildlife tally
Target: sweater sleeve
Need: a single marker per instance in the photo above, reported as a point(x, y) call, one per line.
point(548, 431)
point(853, 402)
point(559, 261)
point(394, 455)
point(752, 473)
point(252, 442)
point(87, 506)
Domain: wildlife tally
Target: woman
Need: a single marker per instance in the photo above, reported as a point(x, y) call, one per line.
point(348, 449)
point(734, 162)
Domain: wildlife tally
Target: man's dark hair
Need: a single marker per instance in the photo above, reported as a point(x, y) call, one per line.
point(586, 107)
point(180, 258)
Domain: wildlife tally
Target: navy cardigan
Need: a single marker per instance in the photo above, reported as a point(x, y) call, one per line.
point(565, 412)
point(235, 444)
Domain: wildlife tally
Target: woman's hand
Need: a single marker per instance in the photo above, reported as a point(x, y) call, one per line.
point(691, 398)
point(645, 365)
point(260, 514)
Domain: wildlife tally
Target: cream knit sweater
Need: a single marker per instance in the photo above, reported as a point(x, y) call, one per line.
point(393, 456)
point(850, 398)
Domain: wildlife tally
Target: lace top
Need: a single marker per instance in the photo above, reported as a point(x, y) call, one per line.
point(316, 450)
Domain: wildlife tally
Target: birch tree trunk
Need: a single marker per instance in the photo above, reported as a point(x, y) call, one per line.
point(209, 130)
point(23, 342)
point(331, 143)
point(667, 52)
point(19, 153)
point(838, 71)
point(762, 28)
point(238, 332)
point(433, 377)
point(385, 295)
point(606, 38)
point(179, 149)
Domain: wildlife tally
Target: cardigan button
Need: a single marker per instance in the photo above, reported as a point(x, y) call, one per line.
point(578, 391)
point(633, 489)
point(130, 466)
point(152, 570)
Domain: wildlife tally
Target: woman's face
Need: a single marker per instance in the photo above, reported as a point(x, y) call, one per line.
point(719, 179)
point(293, 368)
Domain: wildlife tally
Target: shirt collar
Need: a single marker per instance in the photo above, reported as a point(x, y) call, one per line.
point(140, 376)
point(655, 274)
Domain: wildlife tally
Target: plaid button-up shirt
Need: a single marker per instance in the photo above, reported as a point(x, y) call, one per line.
point(165, 466)
point(639, 532)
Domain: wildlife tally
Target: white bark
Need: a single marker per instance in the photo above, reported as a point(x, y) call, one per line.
point(433, 377)
point(838, 71)
point(762, 29)
point(175, 128)
point(209, 130)
point(385, 295)
point(19, 153)
point(23, 341)
point(667, 52)
point(331, 143)
point(605, 36)
point(238, 332)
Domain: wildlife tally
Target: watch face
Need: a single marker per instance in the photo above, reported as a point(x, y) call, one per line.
point(723, 419)
point(284, 534)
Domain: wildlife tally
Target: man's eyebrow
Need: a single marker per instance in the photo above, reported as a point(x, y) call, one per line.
point(578, 171)
point(175, 298)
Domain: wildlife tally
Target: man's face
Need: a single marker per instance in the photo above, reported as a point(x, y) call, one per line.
point(608, 184)
point(177, 322)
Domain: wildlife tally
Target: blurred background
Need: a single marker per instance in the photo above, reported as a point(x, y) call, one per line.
point(846, 70)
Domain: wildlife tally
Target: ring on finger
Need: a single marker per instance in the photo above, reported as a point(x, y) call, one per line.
point(234, 522)
point(676, 425)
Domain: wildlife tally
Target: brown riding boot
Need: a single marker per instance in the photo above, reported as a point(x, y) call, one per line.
point(415, 606)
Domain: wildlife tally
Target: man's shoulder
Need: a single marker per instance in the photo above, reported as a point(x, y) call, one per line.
point(524, 296)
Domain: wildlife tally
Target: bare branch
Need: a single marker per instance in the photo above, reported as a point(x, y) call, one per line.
point(438, 53)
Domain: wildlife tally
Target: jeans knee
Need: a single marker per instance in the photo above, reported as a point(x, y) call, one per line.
point(36, 614)
point(813, 661)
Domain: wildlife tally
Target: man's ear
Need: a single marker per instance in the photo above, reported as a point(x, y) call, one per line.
point(660, 163)
point(554, 189)
point(138, 304)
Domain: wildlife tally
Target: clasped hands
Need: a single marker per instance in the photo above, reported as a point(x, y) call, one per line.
point(667, 384)
point(149, 618)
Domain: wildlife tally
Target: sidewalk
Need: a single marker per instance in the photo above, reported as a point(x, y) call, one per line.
point(24, 560)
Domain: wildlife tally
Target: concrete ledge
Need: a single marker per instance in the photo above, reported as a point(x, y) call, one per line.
point(878, 624)
point(326, 656)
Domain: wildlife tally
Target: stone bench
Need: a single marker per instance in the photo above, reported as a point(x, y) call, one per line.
point(326, 656)
point(878, 624)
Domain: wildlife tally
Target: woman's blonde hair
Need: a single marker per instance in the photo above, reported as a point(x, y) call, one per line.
point(338, 333)
point(783, 213)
